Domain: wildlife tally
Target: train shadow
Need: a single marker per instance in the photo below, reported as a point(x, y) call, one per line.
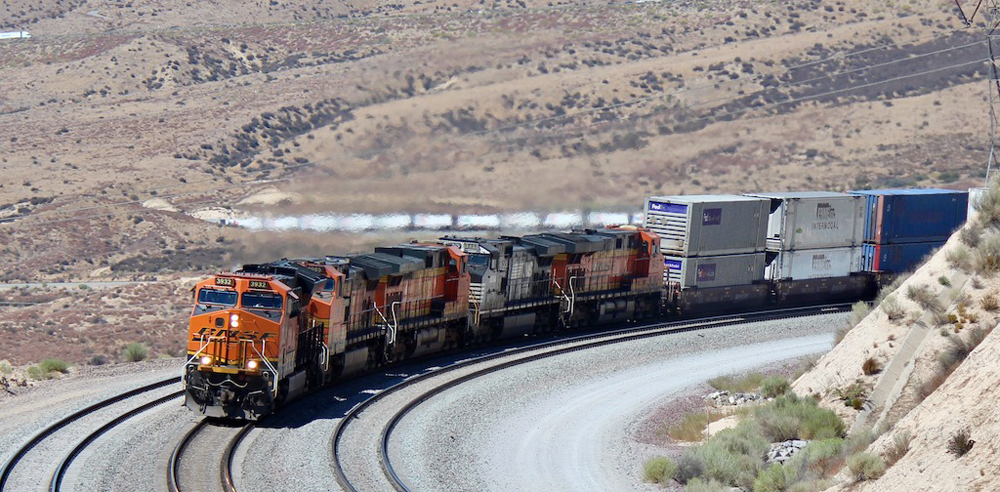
point(335, 401)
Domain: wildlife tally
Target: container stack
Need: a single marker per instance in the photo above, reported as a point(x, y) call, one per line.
point(814, 234)
point(904, 226)
point(710, 240)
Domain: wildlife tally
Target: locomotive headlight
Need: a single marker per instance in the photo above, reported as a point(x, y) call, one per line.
point(251, 364)
point(234, 320)
point(206, 360)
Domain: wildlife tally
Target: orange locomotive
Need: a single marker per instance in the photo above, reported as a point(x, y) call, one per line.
point(266, 333)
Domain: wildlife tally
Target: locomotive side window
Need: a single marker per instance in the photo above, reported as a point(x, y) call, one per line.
point(216, 296)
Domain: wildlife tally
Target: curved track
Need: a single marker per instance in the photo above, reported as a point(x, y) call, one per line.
point(525, 355)
point(191, 464)
point(8, 467)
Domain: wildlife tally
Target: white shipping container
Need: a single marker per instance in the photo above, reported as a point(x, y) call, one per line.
point(714, 271)
point(815, 263)
point(708, 225)
point(814, 219)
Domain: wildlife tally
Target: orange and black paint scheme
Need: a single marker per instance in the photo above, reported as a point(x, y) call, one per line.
point(266, 333)
point(250, 344)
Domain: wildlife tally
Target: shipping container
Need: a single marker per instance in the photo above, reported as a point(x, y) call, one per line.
point(896, 258)
point(913, 216)
point(714, 271)
point(815, 263)
point(814, 219)
point(708, 225)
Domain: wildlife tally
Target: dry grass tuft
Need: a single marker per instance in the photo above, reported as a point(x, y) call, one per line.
point(960, 443)
point(899, 447)
point(871, 366)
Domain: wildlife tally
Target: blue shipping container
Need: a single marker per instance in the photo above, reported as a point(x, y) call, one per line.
point(895, 258)
point(913, 216)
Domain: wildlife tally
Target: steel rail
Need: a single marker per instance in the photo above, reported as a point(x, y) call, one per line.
point(57, 477)
point(8, 467)
point(225, 462)
point(604, 338)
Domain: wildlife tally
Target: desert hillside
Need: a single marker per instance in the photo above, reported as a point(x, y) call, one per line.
point(122, 118)
point(921, 369)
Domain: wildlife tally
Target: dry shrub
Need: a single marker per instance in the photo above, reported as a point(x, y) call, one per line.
point(923, 296)
point(692, 426)
point(988, 207)
point(987, 257)
point(959, 444)
point(871, 366)
point(892, 287)
point(951, 358)
point(899, 447)
point(970, 235)
point(990, 302)
point(960, 257)
point(893, 308)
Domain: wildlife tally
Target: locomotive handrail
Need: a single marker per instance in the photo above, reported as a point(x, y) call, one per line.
point(268, 364)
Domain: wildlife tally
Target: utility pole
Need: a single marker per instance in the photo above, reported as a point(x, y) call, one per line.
point(991, 12)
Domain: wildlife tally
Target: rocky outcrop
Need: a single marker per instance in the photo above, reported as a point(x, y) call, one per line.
point(724, 398)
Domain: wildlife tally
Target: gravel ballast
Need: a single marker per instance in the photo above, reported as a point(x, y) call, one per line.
point(567, 423)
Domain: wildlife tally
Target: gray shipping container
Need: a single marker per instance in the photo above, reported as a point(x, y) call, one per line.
point(708, 225)
point(815, 263)
point(714, 271)
point(814, 219)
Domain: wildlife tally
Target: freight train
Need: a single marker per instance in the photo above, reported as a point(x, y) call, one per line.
point(267, 333)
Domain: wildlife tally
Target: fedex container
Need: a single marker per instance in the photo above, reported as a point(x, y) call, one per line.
point(896, 258)
point(708, 225)
point(815, 263)
point(913, 216)
point(814, 219)
point(714, 271)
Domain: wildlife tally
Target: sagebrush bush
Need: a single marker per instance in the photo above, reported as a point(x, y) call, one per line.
point(659, 470)
point(922, 295)
point(960, 443)
point(899, 447)
point(791, 417)
point(859, 311)
point(959, 257)
point(892, 308)
point(54, 365)
point(135, 352)
point(733, 456)
point(988, 207)
point(871, 366)
point(824, 456)
point(970, 235)
point(773, 386)
point(689, 466)
point(6, 368)
point(987, 257)
point(865, 466)
point(699, 485)
point(771, 479)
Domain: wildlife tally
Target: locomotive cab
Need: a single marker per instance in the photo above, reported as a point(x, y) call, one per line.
point(235, 345)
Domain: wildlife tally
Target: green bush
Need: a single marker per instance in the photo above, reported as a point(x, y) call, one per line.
point(771, 479)
point(6, 368)
point(865, 466)
point(135, 352)
point(822, 457)
point(699, 485)
point(35, 372)
point(746, 384)
point(774, 386)
point(659, 470)
point(54, 365)
point(791, 417)
point(689, 466)
point(734, 456)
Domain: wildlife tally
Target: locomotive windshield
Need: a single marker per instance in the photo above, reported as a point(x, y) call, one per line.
point(479, 259)
point(216, 296)
point(256, 300)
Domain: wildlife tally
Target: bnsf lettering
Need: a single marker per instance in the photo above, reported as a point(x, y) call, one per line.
point(245, 335)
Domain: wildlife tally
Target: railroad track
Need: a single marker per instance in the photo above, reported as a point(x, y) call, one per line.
point(525, 355)
point(191, 461)
point(57, 477)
